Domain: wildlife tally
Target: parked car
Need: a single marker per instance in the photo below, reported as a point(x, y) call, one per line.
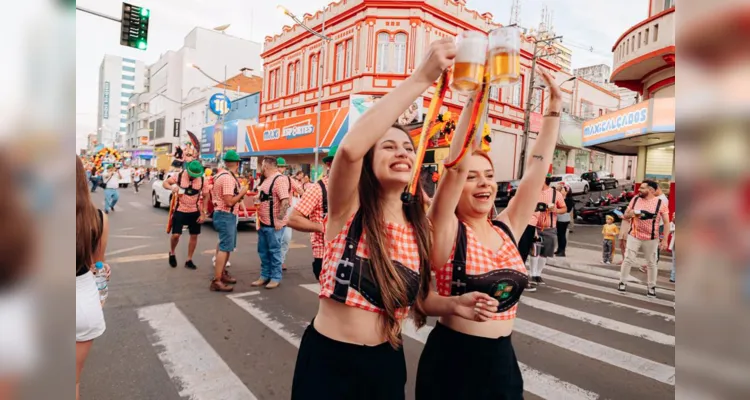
point(161, 198)
point(600, 180)
point(505, 191)
point(577, 185)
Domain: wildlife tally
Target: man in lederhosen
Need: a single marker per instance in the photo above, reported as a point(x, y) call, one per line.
point(549, 206)
point(191, 192)
point(308, 215)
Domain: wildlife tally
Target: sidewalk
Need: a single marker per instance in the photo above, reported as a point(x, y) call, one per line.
point(590, 262)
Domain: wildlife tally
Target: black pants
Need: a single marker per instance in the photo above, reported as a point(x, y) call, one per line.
point(527, 239)
point(317, 265)
point(333, 370)
point(454, 365)
point(562, 236)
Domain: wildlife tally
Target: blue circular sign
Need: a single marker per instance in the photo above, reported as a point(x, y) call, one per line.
point(219, 104)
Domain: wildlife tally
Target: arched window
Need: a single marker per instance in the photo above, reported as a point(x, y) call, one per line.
point(348, 62)
point(383, 54)
point(339, 61)
point(297, 76)
point(314, 71)
point(290, 79)
point(399, 54)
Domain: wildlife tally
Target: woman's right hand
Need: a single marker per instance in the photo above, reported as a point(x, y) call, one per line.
point(475, 306)
point(438, 58)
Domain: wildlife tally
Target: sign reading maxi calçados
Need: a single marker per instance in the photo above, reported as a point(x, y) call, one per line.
point(630, 121)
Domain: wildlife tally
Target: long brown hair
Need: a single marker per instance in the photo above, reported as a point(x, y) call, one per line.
point(16, 239)
point(87, 220)
point(392, 287)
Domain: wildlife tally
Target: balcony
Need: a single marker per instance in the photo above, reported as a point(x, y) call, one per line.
point(647, 47)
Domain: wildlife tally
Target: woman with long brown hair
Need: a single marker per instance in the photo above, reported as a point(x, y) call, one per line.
point(377, 259)
point(92, 231)
point(461, 357)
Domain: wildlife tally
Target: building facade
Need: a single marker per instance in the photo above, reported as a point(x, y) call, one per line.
point(644, 62)
point(119, 78)
point(373, 49)
point(183, 78)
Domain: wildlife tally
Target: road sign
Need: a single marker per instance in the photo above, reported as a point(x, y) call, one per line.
point(134, 26)
point(219, 104)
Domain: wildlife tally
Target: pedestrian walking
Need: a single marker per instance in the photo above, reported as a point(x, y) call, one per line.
point(92, 231)
point(472, 359)
point(610, 231)
point(549, 207)
point(226, 193)
point(564, 220)
point(111, 180)
point(137, 177)
point(192, 204)
point(308, 215)
point(274, 197)
point(644, 211)
point(672, 229)
point(295, 192)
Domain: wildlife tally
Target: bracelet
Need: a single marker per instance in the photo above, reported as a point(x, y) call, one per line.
point(552, 114)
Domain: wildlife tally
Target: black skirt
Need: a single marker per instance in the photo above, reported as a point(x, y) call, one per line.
point(333, 370)
point(454, 365)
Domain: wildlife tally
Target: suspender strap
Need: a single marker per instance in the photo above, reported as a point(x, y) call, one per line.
point(551, 214)
point(458, 281)
point(325, 197)
point(505, 229)
point(345, 266)
point(270, 199)
point(632, 207)
point(236, 187)
point(653, 223)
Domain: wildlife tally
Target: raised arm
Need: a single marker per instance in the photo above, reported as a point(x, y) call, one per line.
point(519, 211)
point(442, 212)
point(373, 124)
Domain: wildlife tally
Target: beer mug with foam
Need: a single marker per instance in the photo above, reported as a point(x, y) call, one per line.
point(504, 53)
point(471, 54)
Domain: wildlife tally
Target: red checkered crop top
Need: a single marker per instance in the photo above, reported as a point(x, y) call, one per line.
point(346, 276)
point(472, 267)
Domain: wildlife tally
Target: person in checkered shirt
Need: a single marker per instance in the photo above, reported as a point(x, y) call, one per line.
point(353, 347)
point(472, 252)
point(549, 204)
point(192, 193)
point(308, 215)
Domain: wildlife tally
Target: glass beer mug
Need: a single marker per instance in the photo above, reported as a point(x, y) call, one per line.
point(468, 68)
point(504, 53)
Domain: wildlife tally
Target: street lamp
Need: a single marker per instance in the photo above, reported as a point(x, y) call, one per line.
point(321, 61)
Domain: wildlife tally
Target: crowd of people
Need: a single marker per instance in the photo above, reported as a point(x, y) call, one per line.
point(375, 255)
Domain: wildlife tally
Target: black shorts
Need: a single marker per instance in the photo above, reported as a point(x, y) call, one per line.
point(454, 365)
point(333, 370)
point(180, 219)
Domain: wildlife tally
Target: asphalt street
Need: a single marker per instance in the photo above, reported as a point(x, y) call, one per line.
point(169, 337)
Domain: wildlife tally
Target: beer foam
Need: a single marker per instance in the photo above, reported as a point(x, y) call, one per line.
point(472, 49)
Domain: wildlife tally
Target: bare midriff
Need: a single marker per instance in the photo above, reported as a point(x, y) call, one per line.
point(492, 329)
point(348, 324)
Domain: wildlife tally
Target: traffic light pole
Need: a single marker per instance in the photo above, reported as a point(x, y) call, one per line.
point(98, 14)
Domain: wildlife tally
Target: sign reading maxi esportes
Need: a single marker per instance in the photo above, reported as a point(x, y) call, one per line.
point(289, 132)
point(634, 119)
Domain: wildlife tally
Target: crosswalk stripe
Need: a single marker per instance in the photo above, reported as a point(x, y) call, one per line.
point(609, 290)
point(667, 317)
point(264, 317)
point(630, 362)
point(599, 278)
point(137, 205)
point(198, 372)
point(599, 321)
point(535, 382)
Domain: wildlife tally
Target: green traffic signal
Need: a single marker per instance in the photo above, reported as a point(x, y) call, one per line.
point(144, 12)
point(142, 45)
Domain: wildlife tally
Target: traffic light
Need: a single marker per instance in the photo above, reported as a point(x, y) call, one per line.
point(134, 26)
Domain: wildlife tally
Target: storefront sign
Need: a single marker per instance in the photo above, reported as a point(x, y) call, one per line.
point(218, 139)
point(630, 121)
point(163, 149)
point(219, 104)
point(294, 135)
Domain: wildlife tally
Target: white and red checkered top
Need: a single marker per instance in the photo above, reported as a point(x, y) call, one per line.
point(402, 247)
point(185, 203)
point(311, 206)
point(281, 191)
point(548, 219)
point(647, 229)
point(224, 185)
point(481, 260)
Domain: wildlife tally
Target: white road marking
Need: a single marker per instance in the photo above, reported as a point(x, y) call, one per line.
point(600, 278)
point(140, 257)
point(137, 205)
point(196, 369)
point(265, 318)
point(125, 250)
point(610, 290)
point(536, 382)
point(601, 322)
point(667, 317)
point(630, 362)
point(131, 237)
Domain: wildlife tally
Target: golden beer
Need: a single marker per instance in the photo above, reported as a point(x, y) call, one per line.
point(471, 55)
point(505, 67)
point(467, 76)
point(505, 58)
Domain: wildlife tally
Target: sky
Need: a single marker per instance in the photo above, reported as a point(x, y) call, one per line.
point(583, 24)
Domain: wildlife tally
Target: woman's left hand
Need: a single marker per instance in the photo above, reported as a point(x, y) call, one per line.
point(475, 306)
point(107, 271)
point(555, 94)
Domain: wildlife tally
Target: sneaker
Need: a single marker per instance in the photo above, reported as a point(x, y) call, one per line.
point(172, 261)
point(651, 292)
point(283, 267)
point(213, 262)
point(189, 264)
point(560, 254)
point(531, 287)
point(671, 280)
point(260, 282)
point(621, 287)
point(540, 281)
point(607, 262)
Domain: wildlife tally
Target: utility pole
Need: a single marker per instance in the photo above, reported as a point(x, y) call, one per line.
point(529, 98)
